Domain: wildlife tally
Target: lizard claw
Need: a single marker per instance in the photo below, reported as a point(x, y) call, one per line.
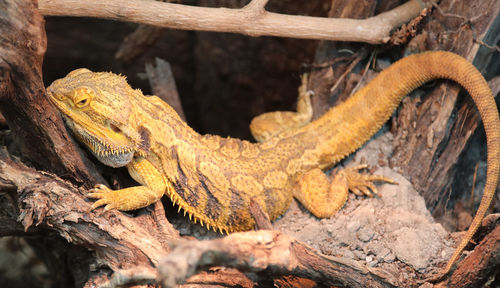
point(105, 195)
point(362, 184)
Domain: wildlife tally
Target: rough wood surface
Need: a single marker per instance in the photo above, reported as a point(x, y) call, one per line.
point(138, 41)
point(22, 48)
point(270, 252)
point(429, 135)
point(162, 83)
point(251, 20)
point(120, 242)
point(484, 261)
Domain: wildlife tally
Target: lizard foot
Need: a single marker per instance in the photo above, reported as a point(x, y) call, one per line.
point(105, 195)
point(362, 183)
point(324, 196)
point(125, 199)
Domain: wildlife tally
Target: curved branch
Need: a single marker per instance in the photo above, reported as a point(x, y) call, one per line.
point(120, 241)
point(251, 20)
point(267, 251)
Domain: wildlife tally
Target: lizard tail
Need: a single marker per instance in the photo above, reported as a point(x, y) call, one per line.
point(362, 115)
point(464, 73)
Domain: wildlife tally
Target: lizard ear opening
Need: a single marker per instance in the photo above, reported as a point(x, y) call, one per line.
point(115, 128)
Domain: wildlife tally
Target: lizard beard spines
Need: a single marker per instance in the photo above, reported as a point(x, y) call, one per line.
point(110, 155)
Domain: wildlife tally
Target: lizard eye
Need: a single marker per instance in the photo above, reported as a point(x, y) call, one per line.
point(82, 102)
point(82, 97)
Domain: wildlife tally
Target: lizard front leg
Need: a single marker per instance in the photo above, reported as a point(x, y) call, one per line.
point(154, 186)
point(324, 197)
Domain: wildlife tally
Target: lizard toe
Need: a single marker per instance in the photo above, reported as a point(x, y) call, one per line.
point(100, 203)
point(110, 206)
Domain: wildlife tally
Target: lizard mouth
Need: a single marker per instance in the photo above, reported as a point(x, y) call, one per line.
point(109, 154)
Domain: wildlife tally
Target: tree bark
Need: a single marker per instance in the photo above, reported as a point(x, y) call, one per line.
point(251, 20)
point(445, 123)
point(21, 56)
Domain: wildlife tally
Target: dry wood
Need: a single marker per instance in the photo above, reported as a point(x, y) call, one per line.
point(251, 20)
point(219, 277)
point(21, 54)
point(138, 41)
point(431, 163)
point(162, 82)
point(262, 221)
point(476, 269)
point(333, 59)
point(119, 241)
point(271, 252)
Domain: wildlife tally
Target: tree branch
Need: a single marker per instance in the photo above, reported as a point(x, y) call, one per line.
point(258, 6)
point(252, 20)
point(483, 261)
point(23, 101)
point(162, 82)
point(269, 252)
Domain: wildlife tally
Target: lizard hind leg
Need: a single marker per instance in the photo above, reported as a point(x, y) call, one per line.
point(324, 197)
point(271, 124)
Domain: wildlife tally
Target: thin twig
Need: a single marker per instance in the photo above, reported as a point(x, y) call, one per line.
point(435, 5)
point(493, 47)
point(360, 56)
point(471, 200)
point(251, 20)
point(262, 221)
point(365, 71)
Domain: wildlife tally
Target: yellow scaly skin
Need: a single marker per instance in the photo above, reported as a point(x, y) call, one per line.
point(213, 179)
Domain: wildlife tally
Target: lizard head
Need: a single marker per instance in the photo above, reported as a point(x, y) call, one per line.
point(97, 108)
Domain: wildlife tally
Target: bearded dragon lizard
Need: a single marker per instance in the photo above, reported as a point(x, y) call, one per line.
point(214, 179)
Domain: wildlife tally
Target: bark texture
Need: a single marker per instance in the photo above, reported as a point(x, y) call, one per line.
point(23, 44)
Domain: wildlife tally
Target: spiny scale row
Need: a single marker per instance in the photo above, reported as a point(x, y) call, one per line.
point(194, 218)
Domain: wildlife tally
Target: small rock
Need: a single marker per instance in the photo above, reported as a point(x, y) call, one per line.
point(347, 254)
point(372, 263)
point(353, 226)
point(415, 247)
point(374, 247)
point(389, 258)
point(383, 252)
point(365, 234)
point(359, 254)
